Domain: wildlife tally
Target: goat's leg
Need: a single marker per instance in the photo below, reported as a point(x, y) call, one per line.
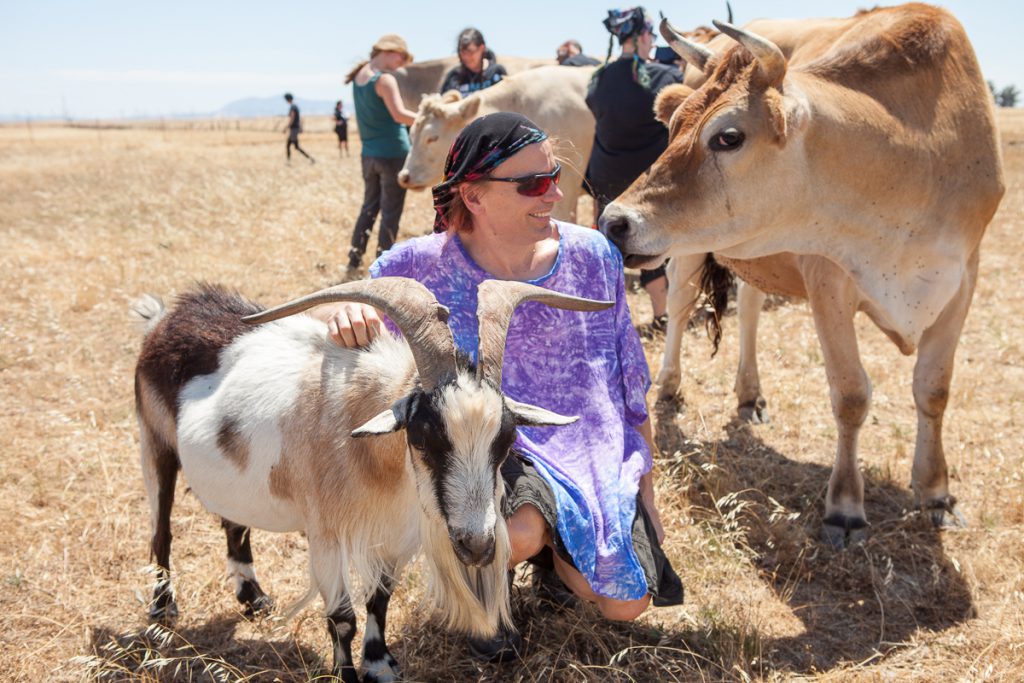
point(933, 373)
point(378, 664)
point(833, 297)
point(160, 473)
point(341, 625)
point(247, 588)
point(752, 406)
point(683, 289)
point(327, 566)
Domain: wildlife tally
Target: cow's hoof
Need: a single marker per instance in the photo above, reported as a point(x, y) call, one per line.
point(381, 670)
point(840, 532)
point(668, 387)
point(754, 412)
point(163, 611)
point(945, 514)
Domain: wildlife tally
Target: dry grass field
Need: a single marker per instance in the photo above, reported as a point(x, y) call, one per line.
point(91, 218)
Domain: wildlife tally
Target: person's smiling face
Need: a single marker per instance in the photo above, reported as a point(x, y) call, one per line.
point(514, 217)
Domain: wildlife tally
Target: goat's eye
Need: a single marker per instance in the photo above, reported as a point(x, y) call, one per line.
point(727, 140)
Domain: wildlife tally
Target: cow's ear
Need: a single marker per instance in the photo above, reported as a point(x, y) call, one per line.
point(669, 100)
point(469, 107)
point(450, 96)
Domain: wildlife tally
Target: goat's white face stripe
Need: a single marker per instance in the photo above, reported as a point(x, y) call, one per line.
point(472, 417)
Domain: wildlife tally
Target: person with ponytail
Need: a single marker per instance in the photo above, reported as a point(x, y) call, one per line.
point(382, 120)
point(628, 138)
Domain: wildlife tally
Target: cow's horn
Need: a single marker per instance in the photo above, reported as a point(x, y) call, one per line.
point(769, 57)
point(409, 304)
point(496, 301)
point(694, 53)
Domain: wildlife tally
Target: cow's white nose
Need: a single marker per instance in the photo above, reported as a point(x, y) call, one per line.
point(403, 178)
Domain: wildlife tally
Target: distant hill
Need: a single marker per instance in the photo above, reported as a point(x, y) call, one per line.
point(276, 106)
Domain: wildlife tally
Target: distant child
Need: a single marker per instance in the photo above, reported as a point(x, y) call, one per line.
point(293, 128)
point(341, 127)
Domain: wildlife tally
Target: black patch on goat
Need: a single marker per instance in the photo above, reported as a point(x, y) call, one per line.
point(186, 343)
point(427, 433)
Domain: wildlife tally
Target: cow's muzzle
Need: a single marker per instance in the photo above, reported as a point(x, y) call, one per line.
point(405, 181)
point(617, 228)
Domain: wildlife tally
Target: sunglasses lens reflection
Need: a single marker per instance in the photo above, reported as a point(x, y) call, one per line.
point(539, 185)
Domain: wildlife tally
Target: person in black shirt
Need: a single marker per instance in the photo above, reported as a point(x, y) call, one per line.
point(341, 127)
point(477, 67)
point(570, 53)
point(628, 138)
point(294, 127)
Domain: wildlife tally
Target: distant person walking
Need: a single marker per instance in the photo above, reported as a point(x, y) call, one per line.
point(341, 127)
point(478, 68)
point(382, 119)
point(293, 128)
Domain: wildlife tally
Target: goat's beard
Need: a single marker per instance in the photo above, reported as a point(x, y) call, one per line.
point(472, 600)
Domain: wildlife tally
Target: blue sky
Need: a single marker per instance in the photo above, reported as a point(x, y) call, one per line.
point(111, 58)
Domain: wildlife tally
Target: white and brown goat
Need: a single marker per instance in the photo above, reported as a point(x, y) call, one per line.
point(264, 423)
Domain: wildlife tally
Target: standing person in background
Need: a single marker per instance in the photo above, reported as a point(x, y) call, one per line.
point(382, 119)
point(341, 127)
point(570, 53)
point(478, 68)
point(628, 138)
point(293, 128)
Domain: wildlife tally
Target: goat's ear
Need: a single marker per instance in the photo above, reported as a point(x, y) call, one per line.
point(532, 416)
point(668, 101)
point(391, 420)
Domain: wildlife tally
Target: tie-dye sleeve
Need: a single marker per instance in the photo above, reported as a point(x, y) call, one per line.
point(636, 377)
point(399, 261)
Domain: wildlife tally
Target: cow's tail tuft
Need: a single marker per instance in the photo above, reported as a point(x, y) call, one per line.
point(715, 283)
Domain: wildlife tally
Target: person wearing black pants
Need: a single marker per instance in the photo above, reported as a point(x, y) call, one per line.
point(294, 127)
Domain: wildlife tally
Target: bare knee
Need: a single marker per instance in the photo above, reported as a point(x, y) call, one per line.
point(527, 533)
point(622, 610)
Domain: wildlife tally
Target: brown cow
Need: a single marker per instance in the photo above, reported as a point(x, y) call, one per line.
point(862, 178)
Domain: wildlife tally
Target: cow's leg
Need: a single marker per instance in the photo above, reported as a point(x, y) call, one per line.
point(833, 298)
point(327, 568)
point(752, 406)
point(683, 290)
point(932, 375)
point(378, 664)
point(247, 588)
point(160, 473)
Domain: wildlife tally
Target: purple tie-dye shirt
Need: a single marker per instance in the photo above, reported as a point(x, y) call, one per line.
point(589, 364)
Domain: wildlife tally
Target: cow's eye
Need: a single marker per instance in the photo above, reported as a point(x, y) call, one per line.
point(727, 140)
point(432, 138)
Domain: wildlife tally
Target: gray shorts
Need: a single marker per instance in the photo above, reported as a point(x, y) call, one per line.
point(523, 484)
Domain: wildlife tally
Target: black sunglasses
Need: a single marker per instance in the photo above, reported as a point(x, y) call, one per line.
point(535, 184)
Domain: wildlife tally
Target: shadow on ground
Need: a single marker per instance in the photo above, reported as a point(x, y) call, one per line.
point(210, 651)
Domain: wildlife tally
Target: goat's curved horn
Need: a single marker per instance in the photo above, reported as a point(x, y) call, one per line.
point(409, 304)
point(693, 53)
point(496, 301)
point(770, 59)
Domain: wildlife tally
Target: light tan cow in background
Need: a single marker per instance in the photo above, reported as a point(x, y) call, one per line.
point(424, 78)
point(553, 97)
point(863, 179)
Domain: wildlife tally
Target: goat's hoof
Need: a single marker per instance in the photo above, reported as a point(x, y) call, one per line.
point(754, 412)
point(163, 611)
point(945, 514)
point(841, 532)
point(345, 674)
point(264, 604)
point(384, 670)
